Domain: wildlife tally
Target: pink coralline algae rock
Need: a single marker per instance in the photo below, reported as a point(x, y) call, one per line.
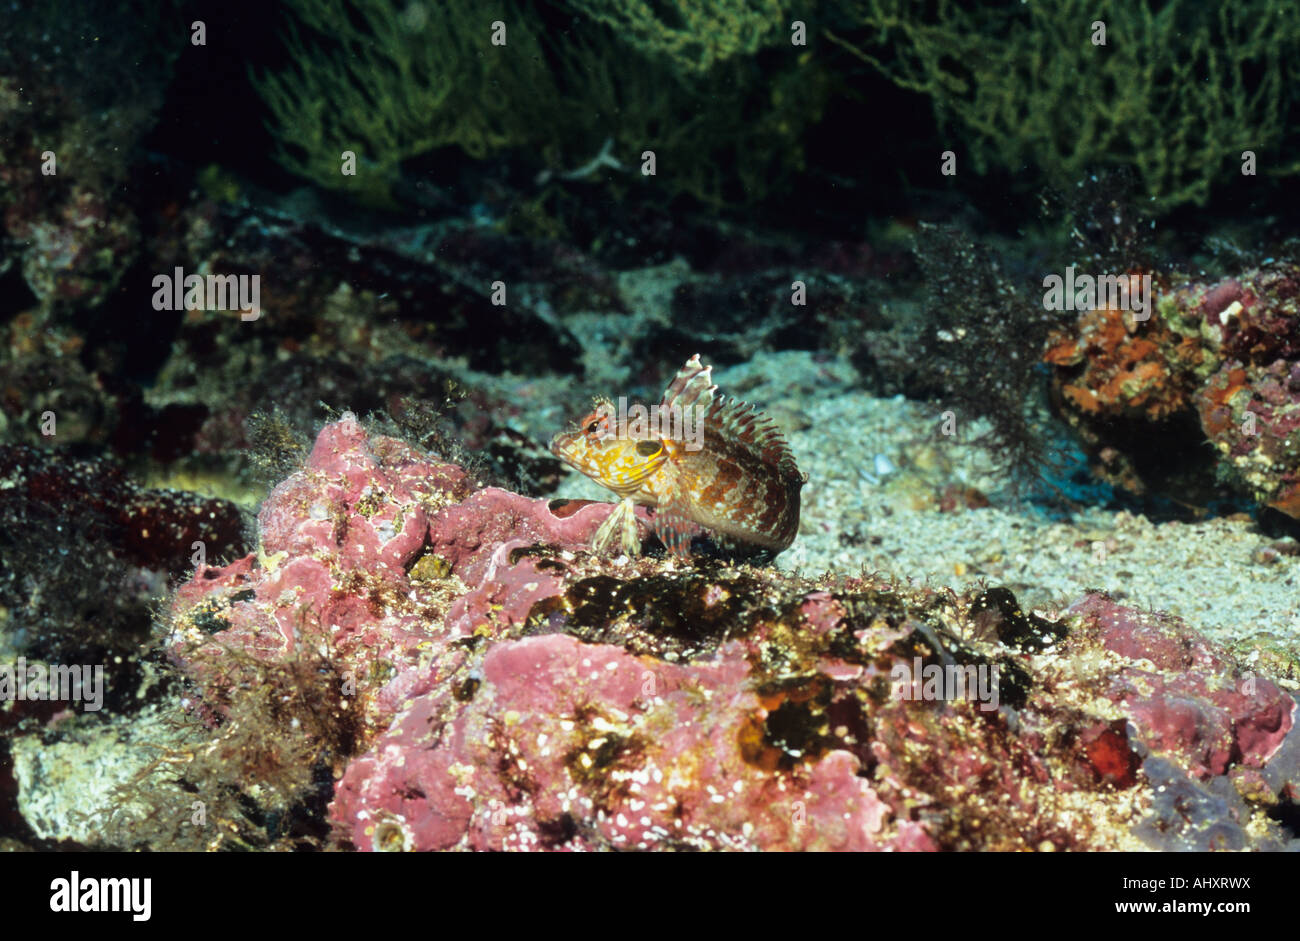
point(339, 543)
point(577, 746)
point(468, 534)
point(335, 542)
point(1248, 329)
point(565, 745)
point(1192, 702)
point(519, 693)
point(1224, 354)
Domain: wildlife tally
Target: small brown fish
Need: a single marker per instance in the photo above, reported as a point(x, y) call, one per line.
point(703, 461)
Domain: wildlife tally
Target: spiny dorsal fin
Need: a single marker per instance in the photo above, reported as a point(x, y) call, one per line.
point(692, 388)
point(740, 421)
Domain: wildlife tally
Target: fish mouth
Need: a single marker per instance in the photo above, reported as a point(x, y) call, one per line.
point(562, 447)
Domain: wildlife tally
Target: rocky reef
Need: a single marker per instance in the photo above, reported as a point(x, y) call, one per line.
point(342, 595)
point(505, 689)
point(1218, 361)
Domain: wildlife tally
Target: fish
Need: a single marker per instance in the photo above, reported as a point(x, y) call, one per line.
point(720, 467)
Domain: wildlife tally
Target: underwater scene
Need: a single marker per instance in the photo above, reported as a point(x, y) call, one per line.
point(595, 425)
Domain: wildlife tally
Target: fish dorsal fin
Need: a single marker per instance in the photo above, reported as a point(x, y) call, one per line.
point(740, 421)
point(692, 388)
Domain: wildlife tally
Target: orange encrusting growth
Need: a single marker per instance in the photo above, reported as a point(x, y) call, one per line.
point(1119, 372)
point(1216, 400)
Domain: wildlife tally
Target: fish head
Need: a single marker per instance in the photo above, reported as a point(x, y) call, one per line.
point(602, 450)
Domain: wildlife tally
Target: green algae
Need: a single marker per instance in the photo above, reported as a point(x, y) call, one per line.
point(1177, 92)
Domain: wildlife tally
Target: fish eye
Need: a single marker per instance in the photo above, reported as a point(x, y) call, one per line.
point(648, 448)
point(591, 428)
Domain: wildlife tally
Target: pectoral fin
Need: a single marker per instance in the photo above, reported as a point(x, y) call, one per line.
point(674, 527)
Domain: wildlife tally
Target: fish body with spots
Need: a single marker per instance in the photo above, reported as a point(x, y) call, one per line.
point(727, 470)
